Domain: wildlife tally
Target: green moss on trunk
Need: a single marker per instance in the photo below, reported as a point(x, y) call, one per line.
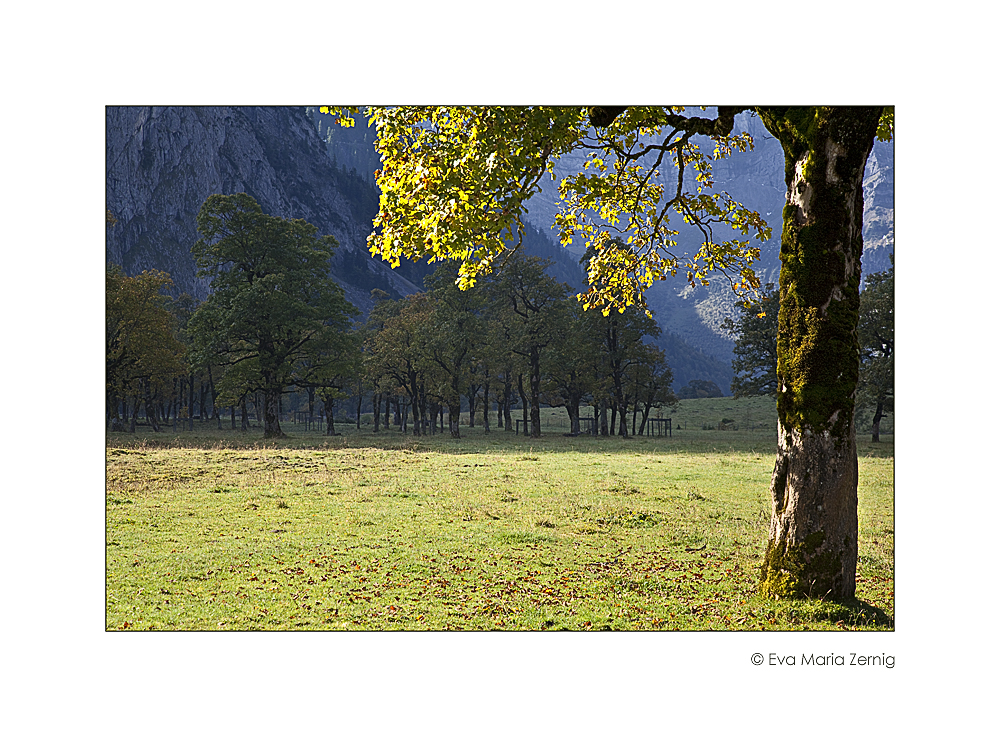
point(798, 571)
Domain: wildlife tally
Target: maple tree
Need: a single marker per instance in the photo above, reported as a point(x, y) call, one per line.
point(454, 185)
point(755, 349)
point(396, 351)
point(274, 314)
point(143, 354)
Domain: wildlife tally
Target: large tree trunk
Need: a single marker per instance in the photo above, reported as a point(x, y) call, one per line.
point(812, 547)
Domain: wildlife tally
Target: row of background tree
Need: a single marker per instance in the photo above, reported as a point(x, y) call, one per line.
point(276, 323)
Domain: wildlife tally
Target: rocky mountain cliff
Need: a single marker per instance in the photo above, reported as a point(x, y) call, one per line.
point(162, 162)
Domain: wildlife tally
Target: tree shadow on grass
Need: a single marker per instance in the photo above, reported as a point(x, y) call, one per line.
point(846, 614)
point(472, 441)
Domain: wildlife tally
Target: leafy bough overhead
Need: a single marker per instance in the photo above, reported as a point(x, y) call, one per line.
point(455, 182)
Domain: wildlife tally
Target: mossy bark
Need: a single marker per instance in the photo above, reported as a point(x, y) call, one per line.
point(812, 548)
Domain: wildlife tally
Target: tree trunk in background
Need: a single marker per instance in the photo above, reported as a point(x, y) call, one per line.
point(645, 416)
point(425, 422)
point(573, 410)
point(211, 395)
point(503, 404)
point(116, 424)
point(191, 401)
point(536, 383)
point(508, 394)
point(202, 395)
point(812, 547)
point(272, 410)
point(877, 422)
point(328, 414)
point(418, 420)
point(244, 420)
point(524, 401)
point(135, 414)
point(150, 409)
point(486, 408)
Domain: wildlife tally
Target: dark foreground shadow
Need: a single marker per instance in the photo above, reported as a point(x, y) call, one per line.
point(472, 440)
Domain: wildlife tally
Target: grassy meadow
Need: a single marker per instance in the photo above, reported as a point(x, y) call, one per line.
point(220, 530)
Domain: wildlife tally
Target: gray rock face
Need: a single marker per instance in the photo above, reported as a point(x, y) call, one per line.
point(162, 162)
point(879, 224)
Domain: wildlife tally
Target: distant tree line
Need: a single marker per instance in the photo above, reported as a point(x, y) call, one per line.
point(517, 339)
point(276, 322)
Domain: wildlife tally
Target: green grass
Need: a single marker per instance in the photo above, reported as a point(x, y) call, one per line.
point(211, 530)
